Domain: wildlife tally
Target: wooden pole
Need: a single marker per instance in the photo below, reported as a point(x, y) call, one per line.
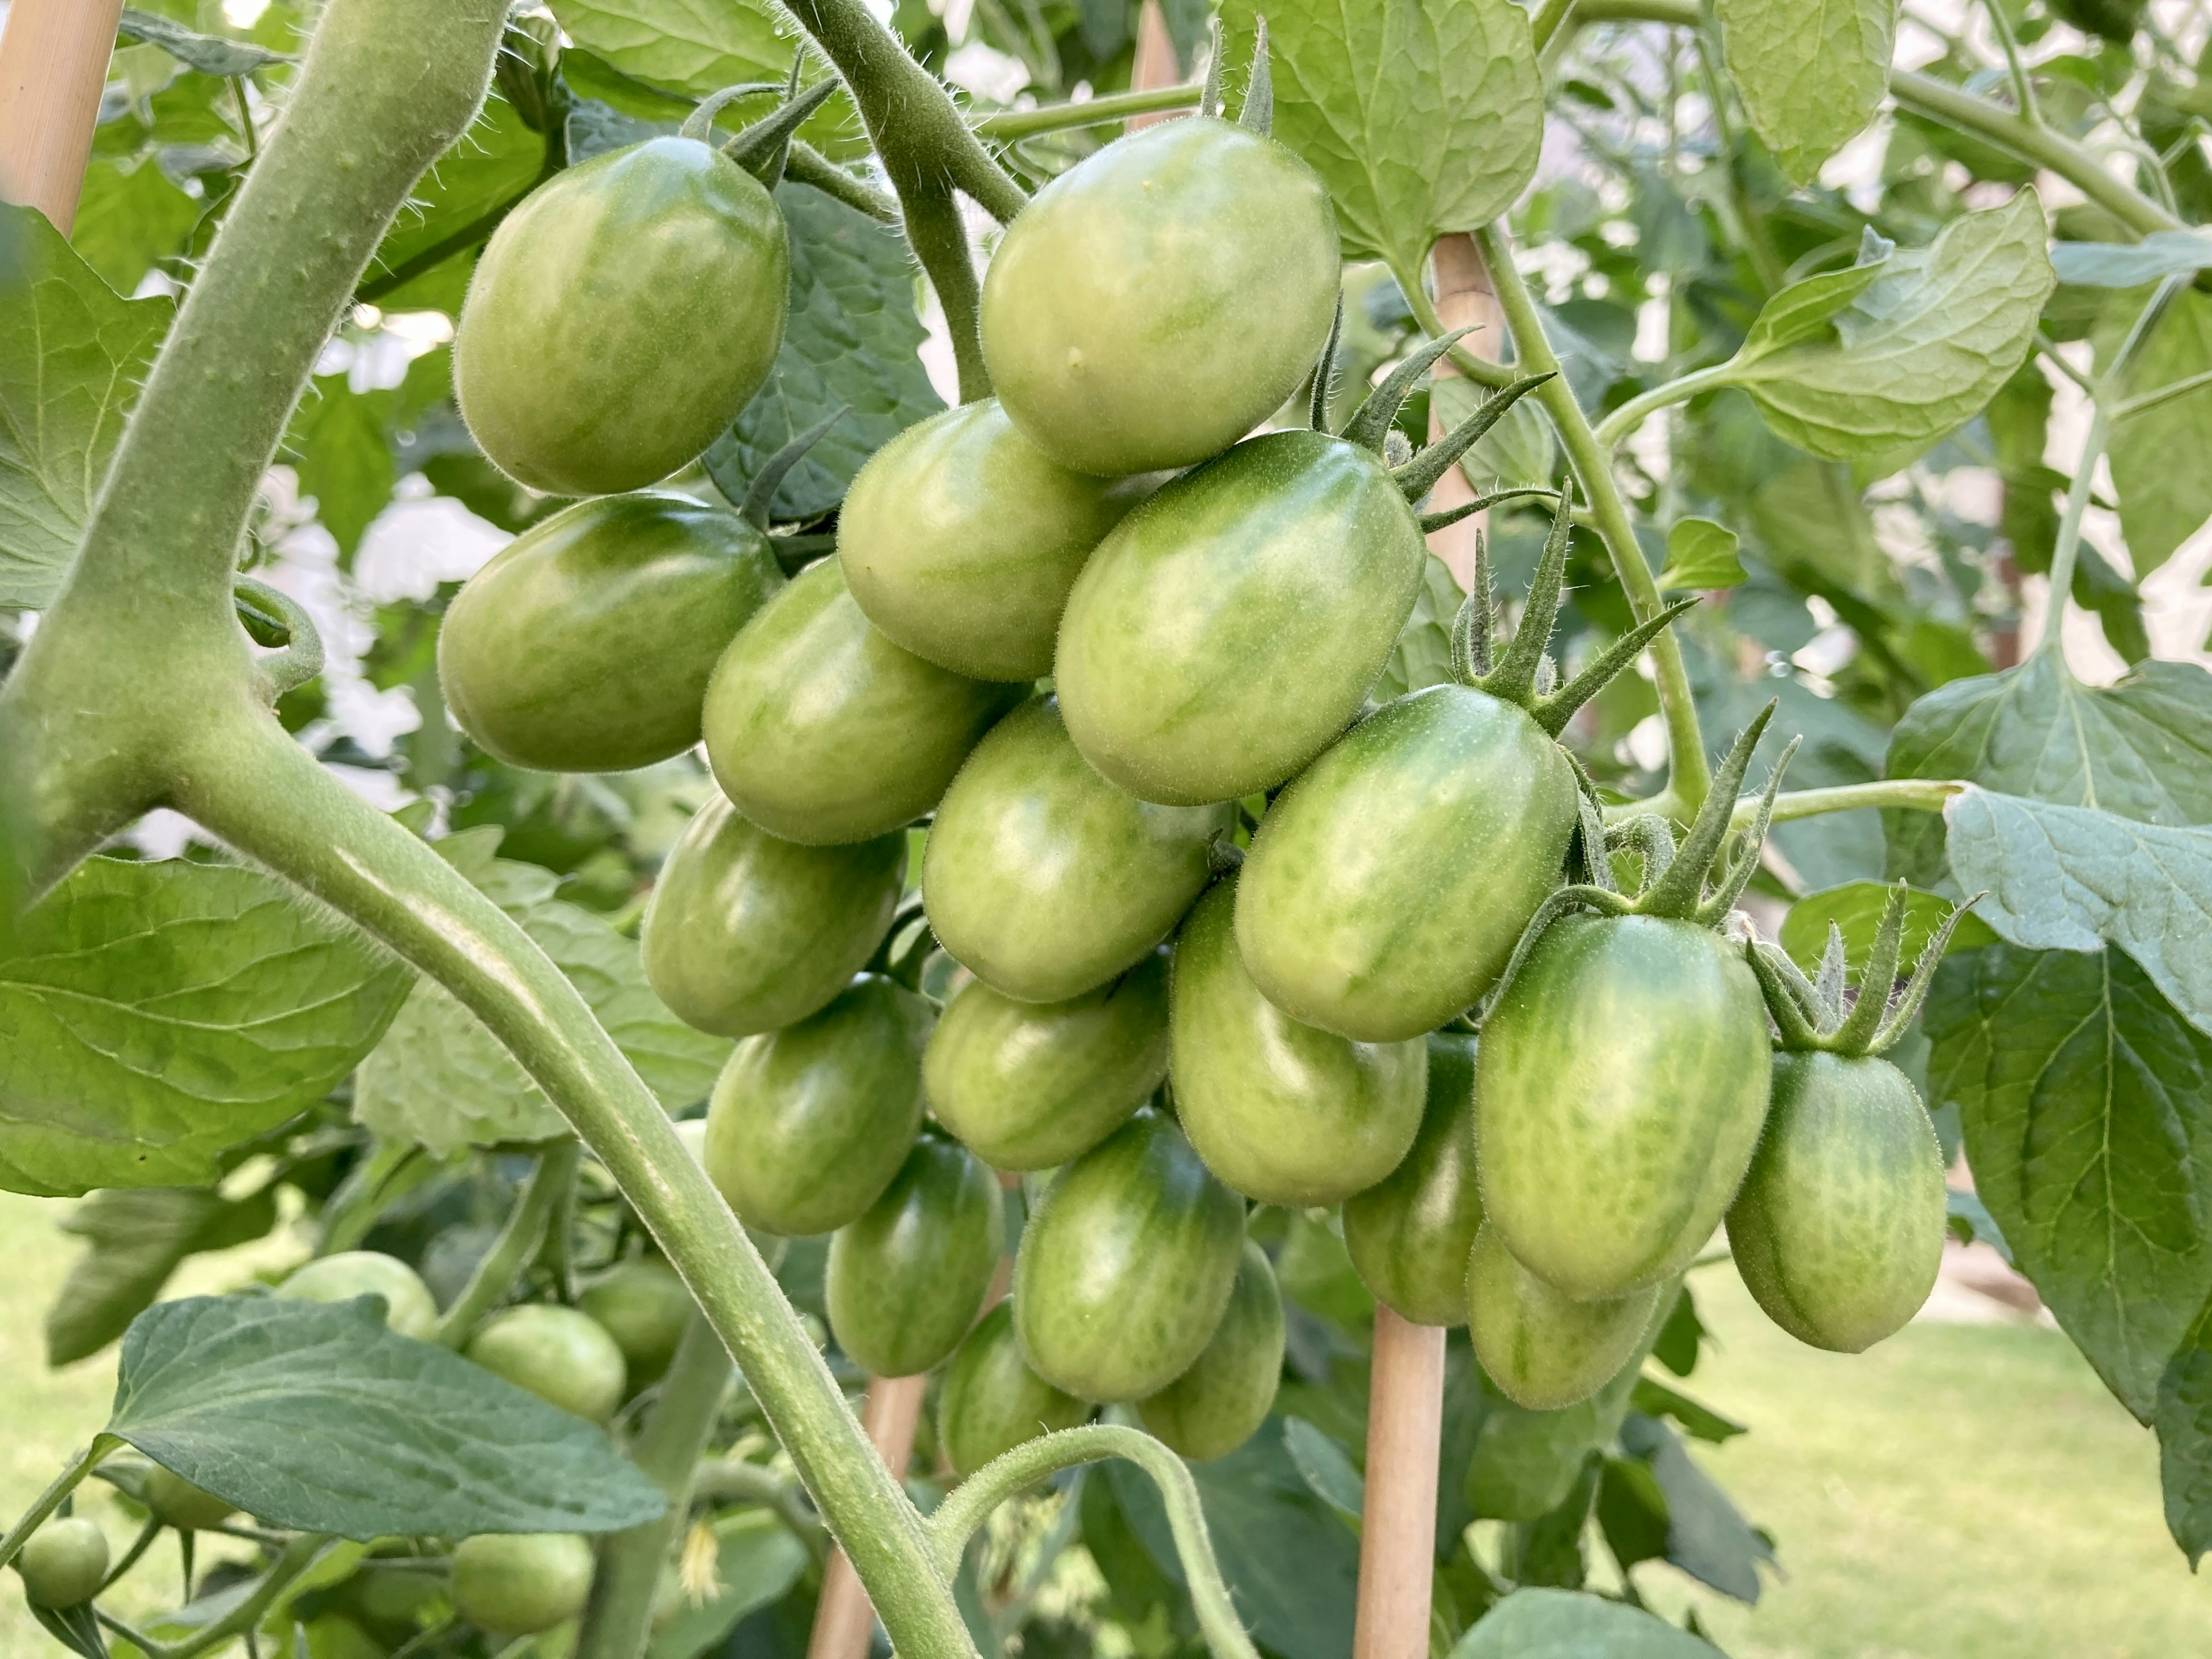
point(1154, 65)
point(53, 64)
point(843, 1619)
point(1464, 297)
point(1398, 1521)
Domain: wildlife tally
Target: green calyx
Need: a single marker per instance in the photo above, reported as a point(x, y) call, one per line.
point(1257, 113)
point(762, 148)
point(1815, 1014)
point(760, 494)
point(1371, 425)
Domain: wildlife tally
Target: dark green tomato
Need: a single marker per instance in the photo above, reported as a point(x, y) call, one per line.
point(1154, 304)
point(905, 1281)
point(1409, 1234)
point(563, 1357)
point(1213, 1407)
point(519, 1583)
point(823, 731)
point(621, 317)
point(177, 1503)
point(1619, 1091)
point(63, 1563)
point(992, 1401)
point(585, 644)
point(1839, 1228)
point(1283, 1112)
point(1388, 885)
point(808, 1124)
point(745, 932)
point(960, 540)
point(408, 1306)
point(644, 1305)
point(1030, 1085)
point(1544, 1349)
point(1046, 881)
point(1126, 1266)
point(1227, 630)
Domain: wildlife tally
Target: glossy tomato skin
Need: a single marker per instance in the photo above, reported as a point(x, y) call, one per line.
point(63, 1563)
point(905, 1281)
point(1030, 1085)
point(1387, 885)
point(519, 1583)
point(585, 644)
point(580, 360)
point(1046, 881)
point(1409, 1234)
point(808, 1124)
point(1155, 303)
point(1215, 1407)
point(408, 1308)
point(644, 1305)
point(959, 540)
point(1544, 1349)
point(1126, 1264)
point(1227, 630)
point(181, 1505)
point(1839, 1228)
point(1284, 1113)
point(822, 731)
point(1618, 1092)
point(562, 1356)
point(748, 932)
point(992, 1401)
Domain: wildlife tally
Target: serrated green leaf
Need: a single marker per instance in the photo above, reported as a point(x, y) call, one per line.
point(159, 1013)
point(1422, 654)
point(1326, 1469)
point(343, 454)
point(1803, 310)
point(317, 1417)
point(1856, 907)
point(1422, 116)
point(1811, 76)
point(2183, 1422)
point(2131, 265)
point(211, 54)
point(128, 218)
point(2157, 456)
point(72, 352)
point(135, 1239)
point(1656, 1399)
point(1552, 1624)
point(1701, 556)
point(696, 46)
point(757, 1559)
point(1706, 1537)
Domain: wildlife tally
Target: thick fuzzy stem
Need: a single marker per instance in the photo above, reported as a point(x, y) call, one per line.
point(844, 1623)
point(517, 1245)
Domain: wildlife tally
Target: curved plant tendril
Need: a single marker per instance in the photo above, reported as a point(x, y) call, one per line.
point(273, 618)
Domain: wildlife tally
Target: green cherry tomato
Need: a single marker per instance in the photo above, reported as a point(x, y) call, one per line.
point(1285, 1113)
point(823, 731)
point(1155, 303)
point(992, 1401)
point(1030, 1085)
point(1126, 1266)
point(645, 1306)
point(1045, 880)
point(1226, 631)
point(1388, 885)
point(1544, 1349)
point(1618, 1092)
point(746, 932)
point(63, 1563)
point(960, 540)
point(519, 1583)
point(177, 1503)
point(562, 1356)
point(808, 1124)
point(1213, 1407)
point(1838, 1229)
point(1408, 1235)
point(621, 316)
point(585, 644)
point(904, 1281)
point(408, 1308)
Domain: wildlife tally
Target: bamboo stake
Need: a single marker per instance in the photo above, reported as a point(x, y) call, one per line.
point(843, 1619)
point(1398, 1521)
point(1154, 65)
point(1464, 299)
point(53, 64)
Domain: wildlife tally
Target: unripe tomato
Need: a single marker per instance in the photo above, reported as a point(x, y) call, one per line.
point(585, 644)
point(563, 1357)
point(1408, 1235)
point(63, 1563)
point(1838, 1229)
point(645, 1306)
point(1045, 880)
point(1030, 1085)
point(1544, 1349)
point(1227, 630)
point(1474, 802)
point(746, 932)
point(1126, 1266)
point(1215, 1407)
point(808, 1124)
point(960, 540)
point(1155, 303)
point(177, 1503)
point(992, 1401)
point(519, 1583)
point(621, 316)
point(1619, 1091)
point(1285, 1113)
point(408, 1308)
point(823, 731)
point(905, 1281)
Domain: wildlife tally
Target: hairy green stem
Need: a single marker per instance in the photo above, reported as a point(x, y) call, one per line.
point(1551, 17)
point(1006, 125)
point(2165, 394)
point(2068, 546)
point(940, 240)
point(1617, 426)
point(516, 1247)
point(810, 166)
point(295, 1559)
point(58, 1488)
point(732, 1479)
point(1911, 795)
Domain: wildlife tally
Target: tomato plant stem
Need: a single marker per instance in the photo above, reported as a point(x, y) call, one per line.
point(2068, 545)
point(50, 1499)
point(1618, 426)
point(515, 1247)
point(1006, 125)
point(1398, 1518)
point(1911, 795)
point(843, 1620)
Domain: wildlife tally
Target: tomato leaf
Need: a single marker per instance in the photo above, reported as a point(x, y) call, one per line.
point(695, 47)
point(1422, 656)
point(1553, 1624)
point(130, 218)
point(2131, 265)
point(137, 1236)
point(1706, 1537)
point(2157, 455)
point(1810, 76)
point(1700, 556)
point(1326, 1469)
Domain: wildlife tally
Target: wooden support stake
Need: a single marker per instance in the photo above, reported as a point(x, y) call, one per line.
point(53, 64)
point(1464, 298)
point(843, 1619)
point(1398, 1524)
point(1153, 65)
